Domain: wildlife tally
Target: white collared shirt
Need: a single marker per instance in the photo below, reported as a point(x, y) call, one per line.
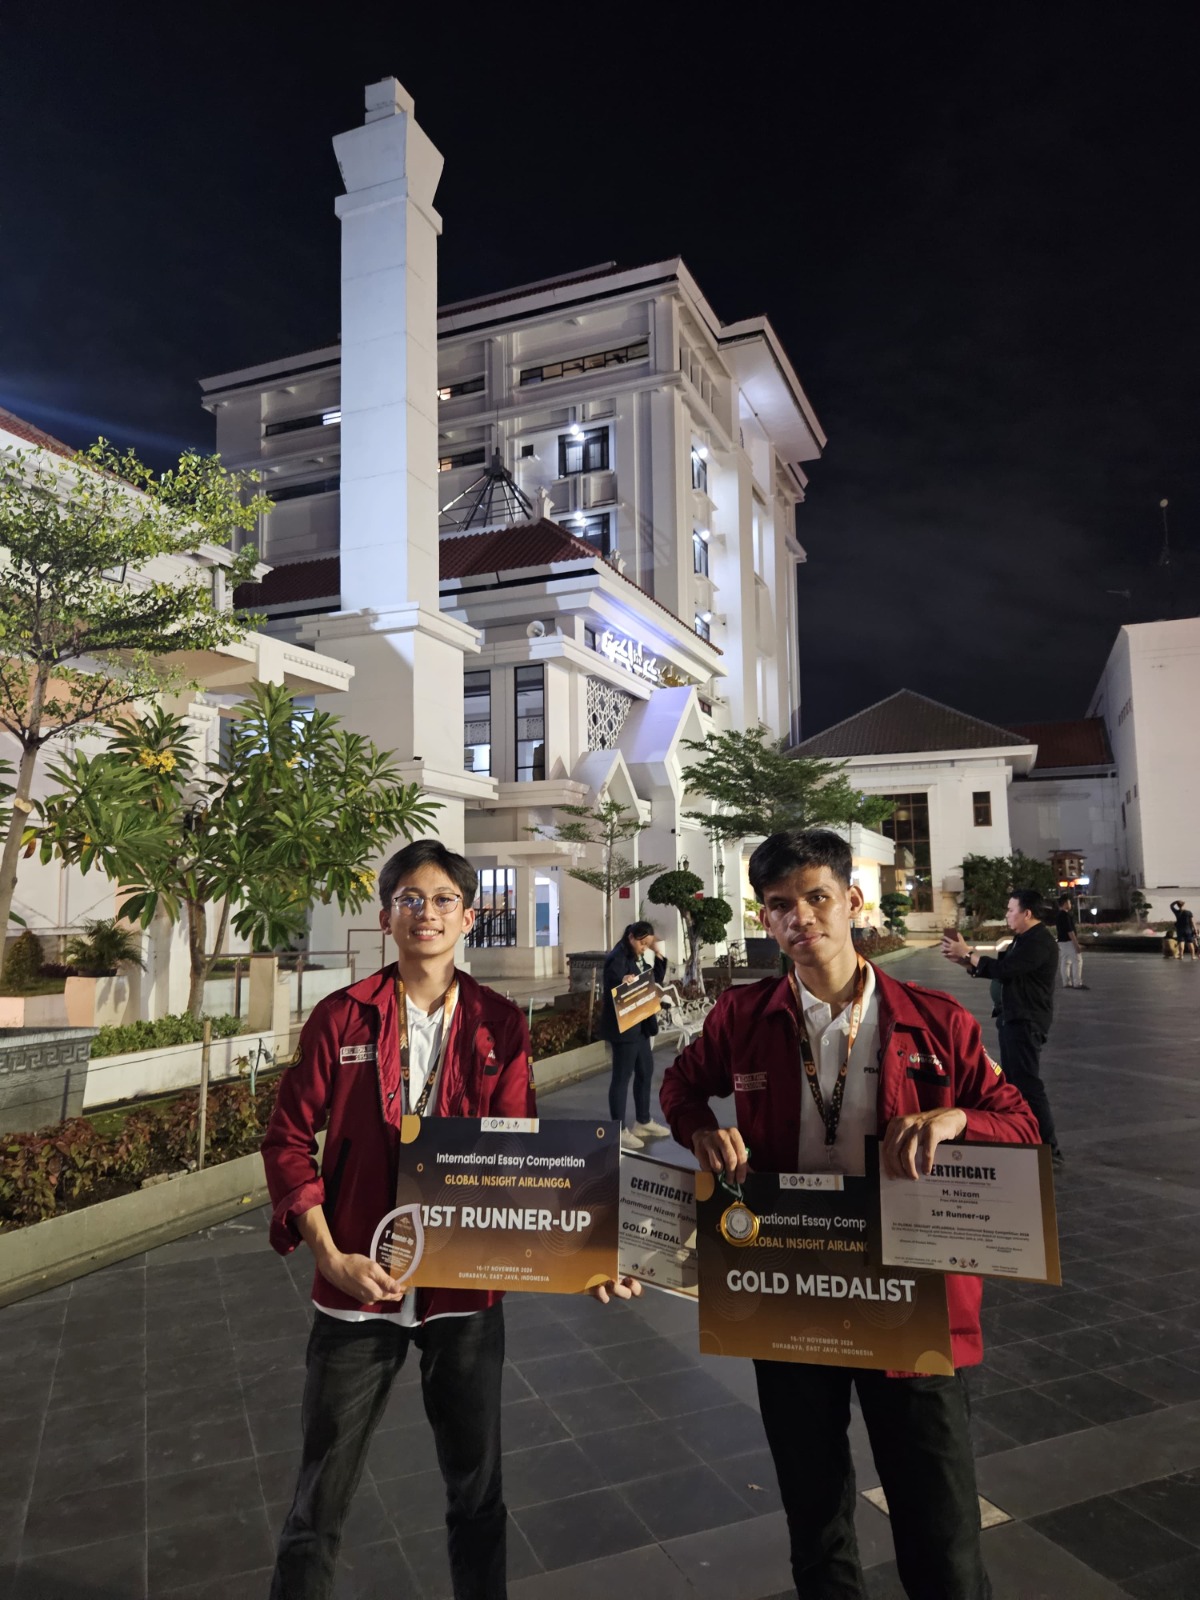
point(827, 1036)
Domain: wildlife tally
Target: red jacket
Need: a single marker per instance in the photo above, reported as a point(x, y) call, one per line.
point(487, 1072)
point(930, 1055)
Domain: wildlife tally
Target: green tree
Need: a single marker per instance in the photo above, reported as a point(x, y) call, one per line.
point(288, 815)
point(606, 826)
point(757, 788)
point(705, 917)
point(988, 881)
point(87, 625)
point(894, 905)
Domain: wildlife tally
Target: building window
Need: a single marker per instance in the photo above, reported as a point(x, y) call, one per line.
point(700, 468)
point(495, 909)
point(300, 491)
point(317, 419)
point(451, 391)
point(531, 723)
point(981, 804)
point(477, 722)
point(908, 825)
point(596, 531)
point(577, 366)
point(465, 458)
point(582, 451)
point(699, 552)
point(526, 452)
point(589, 638)
point(703, 627)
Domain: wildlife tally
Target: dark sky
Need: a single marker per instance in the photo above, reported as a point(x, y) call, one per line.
point(977, 233)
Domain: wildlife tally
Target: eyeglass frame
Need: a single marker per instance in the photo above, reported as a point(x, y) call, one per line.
point(403, 903)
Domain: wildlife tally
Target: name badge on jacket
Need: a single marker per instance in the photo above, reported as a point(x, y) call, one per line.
point(354, 1053)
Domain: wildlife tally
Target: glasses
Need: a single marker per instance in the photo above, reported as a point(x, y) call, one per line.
point(411, 905)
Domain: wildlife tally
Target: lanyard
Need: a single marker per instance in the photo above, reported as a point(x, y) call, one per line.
point(448, 1005)
point(833, 1115)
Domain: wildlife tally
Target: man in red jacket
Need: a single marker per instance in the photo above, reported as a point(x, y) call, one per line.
point(816, 1061)
point(421, 1037)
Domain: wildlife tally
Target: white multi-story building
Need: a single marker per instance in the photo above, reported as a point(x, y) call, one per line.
point(1147, 697)
point(618, 474)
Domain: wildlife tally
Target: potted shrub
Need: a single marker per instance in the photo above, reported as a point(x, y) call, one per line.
point(98, 994)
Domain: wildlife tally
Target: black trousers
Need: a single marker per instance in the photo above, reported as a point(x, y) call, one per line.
point(351, 1366)
point(922, 1447)
point(1020, 1057)
point(632, 1057)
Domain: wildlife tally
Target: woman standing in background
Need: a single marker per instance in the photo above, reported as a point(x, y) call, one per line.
point(631, 1051)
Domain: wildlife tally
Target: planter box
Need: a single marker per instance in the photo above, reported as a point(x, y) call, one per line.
point(33, 1011)
point(100, 1002)
point(43, 1074)
point(571, 1066)
point(114, 1079)
point(49, 1253)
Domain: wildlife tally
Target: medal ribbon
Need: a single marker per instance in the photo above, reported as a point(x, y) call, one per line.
point(833, 1115)
point(448, 1005)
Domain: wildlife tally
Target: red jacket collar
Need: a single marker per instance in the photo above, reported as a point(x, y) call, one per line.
point(893, 998)
point(378, 989)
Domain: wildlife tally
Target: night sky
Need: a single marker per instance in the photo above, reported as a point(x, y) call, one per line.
point(976, 234)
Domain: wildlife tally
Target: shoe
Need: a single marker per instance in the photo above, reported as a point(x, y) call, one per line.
point(651, 1130)
point(630, 1140)
point(1083, 986)
point(1057, 1156)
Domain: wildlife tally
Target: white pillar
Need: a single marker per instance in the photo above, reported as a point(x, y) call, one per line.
point(408, 658)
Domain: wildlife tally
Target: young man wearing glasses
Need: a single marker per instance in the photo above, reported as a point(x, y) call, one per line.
point(418, 1037)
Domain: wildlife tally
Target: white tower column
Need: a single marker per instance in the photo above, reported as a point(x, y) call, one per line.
point(408, 658)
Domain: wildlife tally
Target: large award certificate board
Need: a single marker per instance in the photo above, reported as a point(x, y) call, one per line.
point(985, 1209)
point(785, 1276)
point(503, 1203)
point(636, 1002)
point(658, 1224)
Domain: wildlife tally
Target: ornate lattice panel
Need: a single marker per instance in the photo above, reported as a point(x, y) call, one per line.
point(607, 709)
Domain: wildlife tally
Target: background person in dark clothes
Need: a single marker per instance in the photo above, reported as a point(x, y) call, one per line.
point(1185, 930)
point(1027, 973)
point(1070, 951)
point(631, 1051)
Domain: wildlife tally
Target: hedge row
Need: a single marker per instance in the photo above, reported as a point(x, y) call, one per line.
point(180, 1028)
point(70, 1165)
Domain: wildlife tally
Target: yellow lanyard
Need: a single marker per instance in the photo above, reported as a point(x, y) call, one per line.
point(448, 1005)
point(833, 1115)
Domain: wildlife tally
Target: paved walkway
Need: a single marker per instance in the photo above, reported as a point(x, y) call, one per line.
point(150, 1411)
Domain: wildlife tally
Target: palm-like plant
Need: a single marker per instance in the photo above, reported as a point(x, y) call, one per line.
point(103, 946)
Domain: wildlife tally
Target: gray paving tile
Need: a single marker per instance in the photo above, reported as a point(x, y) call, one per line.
point(548, 1472)
point(724, 1430)
point(688, 1500)
point(73, 1468)
point(115, 1566)
point(647, 1571)
point(1173, 1503)
point(240, 1540)
point(548, 1376)
point(243, 1586)
point(597, 1410)
point(1172, 1582)
point(646, 1358)
point(583, 1528)
point(1160, 1378)
point(1096, 1397)
point(752, 1476)
point(743, 1561)
point(415, 1504)
point(1027, 1415)
point(202, 1443)
point(1029, 1361)
point(1024, 1565)
point(1111, 1538)
point(677, 1394)
point(530, 1422)
point(621, 1454)
point(1155, 1335)
point(89, 1516)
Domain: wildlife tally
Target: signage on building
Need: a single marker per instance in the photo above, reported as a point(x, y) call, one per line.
point(629, 654)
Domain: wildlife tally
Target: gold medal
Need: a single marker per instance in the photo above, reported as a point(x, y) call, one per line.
point(738, 1224)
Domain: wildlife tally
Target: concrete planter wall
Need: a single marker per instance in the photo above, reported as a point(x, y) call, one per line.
point(53, 1252)
point(220, 998)
point(570, 1066)
point(43, 1074)
point(107, 1002)
point(148, 1072)
point(33, 1011)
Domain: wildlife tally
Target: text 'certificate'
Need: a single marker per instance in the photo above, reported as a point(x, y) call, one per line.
point(985, 1208)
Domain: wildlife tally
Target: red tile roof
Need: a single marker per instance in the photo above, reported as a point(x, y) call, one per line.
point(1081, 743)
point(469, 555)
point(11, 423)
